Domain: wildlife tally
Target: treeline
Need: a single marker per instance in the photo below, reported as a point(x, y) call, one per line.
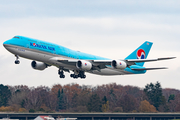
point(76, 98)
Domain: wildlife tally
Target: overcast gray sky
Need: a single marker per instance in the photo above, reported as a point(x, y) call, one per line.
point(107, 28)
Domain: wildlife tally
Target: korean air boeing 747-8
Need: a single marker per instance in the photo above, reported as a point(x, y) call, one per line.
point(45, 54)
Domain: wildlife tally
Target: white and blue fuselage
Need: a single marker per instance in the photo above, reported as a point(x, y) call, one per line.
point(65, 59)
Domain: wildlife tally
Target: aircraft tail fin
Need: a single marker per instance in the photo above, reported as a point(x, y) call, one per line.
point(140, 53)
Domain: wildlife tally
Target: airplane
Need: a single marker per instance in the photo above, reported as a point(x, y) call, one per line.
point(45, 54)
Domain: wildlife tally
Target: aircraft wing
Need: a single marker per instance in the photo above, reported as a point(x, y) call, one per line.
point(97, 64)
point(101, 64)
point(130, 61)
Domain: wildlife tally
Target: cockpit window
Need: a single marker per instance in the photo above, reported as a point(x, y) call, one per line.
point(16, 37)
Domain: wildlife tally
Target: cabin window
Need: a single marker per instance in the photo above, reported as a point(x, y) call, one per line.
point(16, 37)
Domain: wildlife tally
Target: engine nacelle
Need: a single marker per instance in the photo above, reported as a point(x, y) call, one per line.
point(38, 65)
point(118, 64)
point(84, 65)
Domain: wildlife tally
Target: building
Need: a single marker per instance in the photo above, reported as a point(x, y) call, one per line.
point(95, 116)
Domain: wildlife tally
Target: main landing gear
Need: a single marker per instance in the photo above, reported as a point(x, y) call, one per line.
point(61, 74)
point(76, 75)
point(17, 61)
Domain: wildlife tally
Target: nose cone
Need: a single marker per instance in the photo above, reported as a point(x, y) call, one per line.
point(5, 43)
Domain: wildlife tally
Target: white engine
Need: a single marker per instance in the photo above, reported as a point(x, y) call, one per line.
point(84, 65)
point(38, 65)
point(118, 64)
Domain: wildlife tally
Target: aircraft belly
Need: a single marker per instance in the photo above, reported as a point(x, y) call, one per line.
point(12, 49)
point(28, 53)
point(38, 56)
point(107, 71)
point(20, 51)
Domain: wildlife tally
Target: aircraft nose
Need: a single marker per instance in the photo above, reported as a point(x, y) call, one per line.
point(5, 44)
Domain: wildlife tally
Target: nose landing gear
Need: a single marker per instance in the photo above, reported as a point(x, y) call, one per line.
point(17, 61)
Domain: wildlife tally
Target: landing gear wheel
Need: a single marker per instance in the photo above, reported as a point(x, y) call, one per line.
point(72, 75)
point(17, 62)
point(61, 74)
point(80, 74)
point(75, 76)
point(84, 76)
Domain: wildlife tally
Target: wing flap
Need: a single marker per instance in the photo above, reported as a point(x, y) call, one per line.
point(102, 62)
point(69, 62)
point(64, 60)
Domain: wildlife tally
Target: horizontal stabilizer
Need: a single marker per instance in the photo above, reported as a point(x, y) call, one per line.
point(140, 69)
point(149, 60)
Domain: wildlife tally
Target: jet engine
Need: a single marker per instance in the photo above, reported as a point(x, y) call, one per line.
point(84, 65)
point(117, 64)
point(38, 65)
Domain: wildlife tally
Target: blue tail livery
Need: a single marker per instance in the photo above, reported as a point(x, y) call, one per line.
point(141, 52)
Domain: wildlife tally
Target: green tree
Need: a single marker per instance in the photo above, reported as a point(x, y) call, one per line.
point(94, 104)
point(105, 104)
point(171, 97)
point(32, 111)
point(5, 94)
point(61, 100)
point(104, 100)
point(163, 107)
point(74, 100)
point(154, 94)
point(113, 98)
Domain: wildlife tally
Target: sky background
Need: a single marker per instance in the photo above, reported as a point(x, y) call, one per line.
point(107, 28)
